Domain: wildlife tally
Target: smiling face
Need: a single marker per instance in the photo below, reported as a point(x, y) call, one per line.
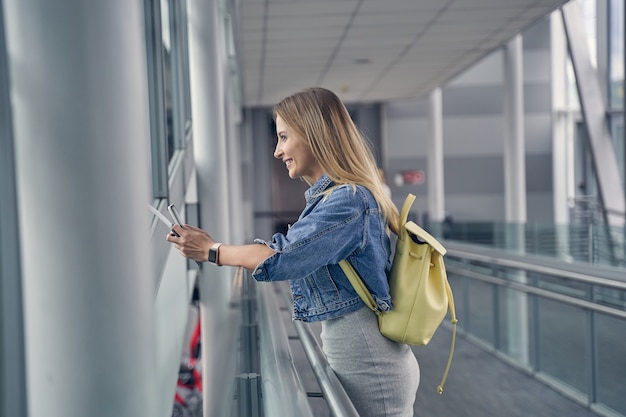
point(295, 153)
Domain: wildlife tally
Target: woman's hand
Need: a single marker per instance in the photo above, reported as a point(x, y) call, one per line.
point(191, 242)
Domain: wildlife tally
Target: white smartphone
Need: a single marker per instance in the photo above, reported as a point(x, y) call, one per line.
point(175, 215)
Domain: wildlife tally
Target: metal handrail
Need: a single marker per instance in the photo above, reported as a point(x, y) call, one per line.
point(283, 392)
point(336, 397)
point(566, 299)
point(591, 243)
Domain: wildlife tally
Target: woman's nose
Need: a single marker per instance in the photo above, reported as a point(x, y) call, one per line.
point(278, 152)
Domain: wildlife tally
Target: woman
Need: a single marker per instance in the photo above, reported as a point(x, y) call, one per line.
point(346, 217)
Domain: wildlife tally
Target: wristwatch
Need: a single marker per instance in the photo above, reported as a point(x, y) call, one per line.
point(214, 254)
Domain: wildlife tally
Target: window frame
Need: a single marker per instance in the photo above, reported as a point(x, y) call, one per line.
point(156, 92)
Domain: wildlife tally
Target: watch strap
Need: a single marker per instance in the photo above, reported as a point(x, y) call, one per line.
point(214, 254)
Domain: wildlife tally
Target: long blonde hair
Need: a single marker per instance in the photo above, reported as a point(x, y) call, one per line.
point(322, 120)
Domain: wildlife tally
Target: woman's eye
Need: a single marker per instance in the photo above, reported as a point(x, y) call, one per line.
point(283, 137)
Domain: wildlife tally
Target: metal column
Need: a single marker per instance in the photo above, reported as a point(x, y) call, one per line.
point(435, 177)
point(514, 152)
point(207, 60)
point(81, 132)
point(562, 137)
point(515, 191)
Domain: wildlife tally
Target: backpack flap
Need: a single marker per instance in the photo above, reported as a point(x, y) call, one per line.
point(423, 236)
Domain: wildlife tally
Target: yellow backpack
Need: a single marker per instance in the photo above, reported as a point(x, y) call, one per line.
point(420, 291)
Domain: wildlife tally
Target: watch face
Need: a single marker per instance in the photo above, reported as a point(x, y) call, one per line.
point(212, 255)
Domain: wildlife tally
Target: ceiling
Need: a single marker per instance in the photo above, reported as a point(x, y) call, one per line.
point(370, 50)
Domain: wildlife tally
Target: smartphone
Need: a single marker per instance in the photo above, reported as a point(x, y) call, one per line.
point(175, 215)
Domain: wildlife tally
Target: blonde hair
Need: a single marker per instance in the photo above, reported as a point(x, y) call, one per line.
point(322, 120)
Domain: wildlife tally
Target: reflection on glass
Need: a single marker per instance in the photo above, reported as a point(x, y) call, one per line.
point(481, 311)
point(167, 74)
point(165, 25)
point(616, 53)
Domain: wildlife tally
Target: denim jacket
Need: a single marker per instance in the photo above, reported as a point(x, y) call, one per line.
point(346, 224)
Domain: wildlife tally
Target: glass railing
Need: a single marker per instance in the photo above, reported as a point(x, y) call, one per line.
point(268, 381)
point(564, 322)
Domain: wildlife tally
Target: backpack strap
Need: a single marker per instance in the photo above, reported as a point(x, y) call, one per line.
point(414, 229)
point(453, 320)
point(359, 286)
point(356, 280)
point(404, 213)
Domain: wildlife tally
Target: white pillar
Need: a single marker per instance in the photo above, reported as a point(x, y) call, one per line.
point(515, 191)
point(514, 152)
point(562, 141)
point(81, 128)
point(207, 69)
point(435, 176)
point(234, 166)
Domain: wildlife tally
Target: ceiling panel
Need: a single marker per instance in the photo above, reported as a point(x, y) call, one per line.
point(370, 50)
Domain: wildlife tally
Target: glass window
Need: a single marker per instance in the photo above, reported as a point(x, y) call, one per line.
point(185, 64)
point(616, 53)
point(166, 40)
point(589, 8)
point(156, 90)
point(616, 81)
point(177, 74)
point(168, 78)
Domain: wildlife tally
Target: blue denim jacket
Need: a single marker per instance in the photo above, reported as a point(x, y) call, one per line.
point(345, 224)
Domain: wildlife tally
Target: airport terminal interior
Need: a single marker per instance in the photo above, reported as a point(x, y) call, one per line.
point(504, 118)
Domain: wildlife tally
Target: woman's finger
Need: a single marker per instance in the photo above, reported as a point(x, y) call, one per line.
point(177, 229)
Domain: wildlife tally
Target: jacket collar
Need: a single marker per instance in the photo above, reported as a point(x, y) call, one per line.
point(320, 186)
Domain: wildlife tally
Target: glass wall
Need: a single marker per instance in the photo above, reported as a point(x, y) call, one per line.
point(604, 24)
point(616, 79)
point(168, 75)
point(616, 54)
point(613, 51)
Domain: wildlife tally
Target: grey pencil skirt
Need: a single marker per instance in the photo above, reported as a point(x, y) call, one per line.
point(380, 376)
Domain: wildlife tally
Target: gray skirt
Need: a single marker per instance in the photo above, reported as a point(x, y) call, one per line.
point(380, 376)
